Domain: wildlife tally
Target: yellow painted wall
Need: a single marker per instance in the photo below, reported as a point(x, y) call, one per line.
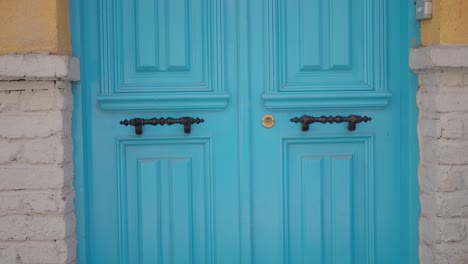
point(449, 23)
point(34, 26)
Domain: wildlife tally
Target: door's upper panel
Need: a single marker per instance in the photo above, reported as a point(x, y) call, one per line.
point(321, 51)
point(162, 54)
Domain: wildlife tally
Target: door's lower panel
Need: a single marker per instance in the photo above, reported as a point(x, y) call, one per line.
point(165, 201)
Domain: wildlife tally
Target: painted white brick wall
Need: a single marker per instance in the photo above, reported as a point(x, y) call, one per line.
point(37, 218)
point(443, 139)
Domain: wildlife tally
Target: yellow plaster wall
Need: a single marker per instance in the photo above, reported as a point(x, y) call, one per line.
point(449, 23)
point(34, 26)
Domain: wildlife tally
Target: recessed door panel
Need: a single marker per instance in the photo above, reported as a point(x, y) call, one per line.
point(166, 201)
point(162, 54)
point(326, 186)
point(324, 49)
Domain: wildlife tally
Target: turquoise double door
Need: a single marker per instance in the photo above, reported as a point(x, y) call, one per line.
point(248, 183)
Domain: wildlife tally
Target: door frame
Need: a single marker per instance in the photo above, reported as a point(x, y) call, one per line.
point(82, 28)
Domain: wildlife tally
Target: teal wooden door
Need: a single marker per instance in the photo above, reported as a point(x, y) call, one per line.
point(231, 190)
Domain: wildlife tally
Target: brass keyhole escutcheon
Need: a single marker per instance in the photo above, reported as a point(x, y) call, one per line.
point(268, 121)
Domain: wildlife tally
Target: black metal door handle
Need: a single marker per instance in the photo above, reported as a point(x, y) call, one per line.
point(138, 123)
point(352, 120)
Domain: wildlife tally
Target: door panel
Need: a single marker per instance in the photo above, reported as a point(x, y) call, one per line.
point(326, 186)
point(233, 191)
point(324, 53)
point(163, 55)
point(165, 200)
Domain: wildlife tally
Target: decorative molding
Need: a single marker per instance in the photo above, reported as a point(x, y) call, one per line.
point(323, 100)
point(43, 67)
point(439, 57)
point(181, 57)
point(358, 68)
point(154, 101)
point(155, 163)
point(358, 151)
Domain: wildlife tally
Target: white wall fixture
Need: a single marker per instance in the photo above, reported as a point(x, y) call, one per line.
point(423, 9)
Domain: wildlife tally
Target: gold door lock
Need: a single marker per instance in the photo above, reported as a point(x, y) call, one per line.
point(268, 121)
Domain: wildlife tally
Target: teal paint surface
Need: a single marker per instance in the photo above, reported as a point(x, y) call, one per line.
point(233, 191)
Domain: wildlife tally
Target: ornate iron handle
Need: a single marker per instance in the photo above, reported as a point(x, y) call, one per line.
point(352, 120)
point(138, 123)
